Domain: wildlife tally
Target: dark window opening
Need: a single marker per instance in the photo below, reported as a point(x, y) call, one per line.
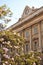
point(27, 47)
point(35, 46)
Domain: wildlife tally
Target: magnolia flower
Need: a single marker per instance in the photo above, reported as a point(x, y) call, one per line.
point(3, 42)
point(8, 42)
point(17, 54)
point(3, 63)
point(6, 62)
point(18, 34)
point(39, 58)
point(34, 63)
point(6, 56)
point(13, 59)
point(16, 47)
point(2, 39)
point(5, 49)
point(10, 46)
point(9, 64)
point(14, 32)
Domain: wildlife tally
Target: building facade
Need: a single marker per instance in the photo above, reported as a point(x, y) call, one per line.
point(30, 27)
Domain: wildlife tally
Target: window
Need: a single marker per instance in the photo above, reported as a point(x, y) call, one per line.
point(35, 46)
point(35, 29)
point(27, 47)
point(42, 26)
point(27, 34)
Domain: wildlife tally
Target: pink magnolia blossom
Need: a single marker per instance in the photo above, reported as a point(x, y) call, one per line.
point(6, 56)
point(5, 49)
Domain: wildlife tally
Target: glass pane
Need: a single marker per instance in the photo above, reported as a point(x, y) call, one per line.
point(27, 34)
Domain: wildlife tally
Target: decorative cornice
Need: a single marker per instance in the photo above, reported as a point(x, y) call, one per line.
point(37, 12)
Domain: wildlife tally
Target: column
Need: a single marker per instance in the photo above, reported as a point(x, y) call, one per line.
point(30, 39)
point(24, 47)
point(39, 33)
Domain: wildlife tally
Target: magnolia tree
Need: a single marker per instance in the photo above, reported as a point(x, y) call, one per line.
point(33, 58)
point(5, 15)
point(11, 50)
point(10, 45)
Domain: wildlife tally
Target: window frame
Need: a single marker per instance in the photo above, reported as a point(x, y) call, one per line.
point(35, 29)
point(27, 34)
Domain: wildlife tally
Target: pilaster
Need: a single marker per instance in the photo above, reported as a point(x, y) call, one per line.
point(31, 39)
point(39, 32)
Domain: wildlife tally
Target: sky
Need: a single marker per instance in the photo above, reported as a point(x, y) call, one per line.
point(17, 7)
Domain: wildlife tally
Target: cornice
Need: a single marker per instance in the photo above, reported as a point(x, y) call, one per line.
point(27, 18)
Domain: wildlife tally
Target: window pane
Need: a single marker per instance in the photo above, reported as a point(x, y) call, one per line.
point(35, 45)
point(34, 29)
point(27, 34)
point(27, 47)
point(42, 26)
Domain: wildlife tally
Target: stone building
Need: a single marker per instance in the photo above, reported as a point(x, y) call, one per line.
point(30, 27)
